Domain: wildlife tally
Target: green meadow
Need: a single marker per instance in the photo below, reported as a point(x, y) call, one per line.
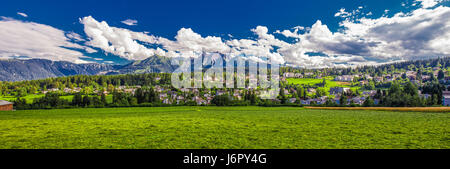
point(330, 83)
point(222, 128)
point(31, 97)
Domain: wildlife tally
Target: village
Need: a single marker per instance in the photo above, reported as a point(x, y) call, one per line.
point(170, 95)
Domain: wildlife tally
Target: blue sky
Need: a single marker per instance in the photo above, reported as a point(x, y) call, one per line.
point(218, 19)
point(207, 17)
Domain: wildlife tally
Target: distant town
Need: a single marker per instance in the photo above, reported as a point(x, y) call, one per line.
point(405, 84)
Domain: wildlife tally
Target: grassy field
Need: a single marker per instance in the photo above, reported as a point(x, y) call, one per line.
point(31, 97)
point(406, 109)
point(329, 83)
point(222, 128)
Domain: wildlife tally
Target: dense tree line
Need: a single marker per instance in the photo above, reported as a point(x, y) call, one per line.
point(85, 82)
point(420, 66)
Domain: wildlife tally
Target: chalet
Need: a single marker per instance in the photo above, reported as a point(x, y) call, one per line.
point(6, 106)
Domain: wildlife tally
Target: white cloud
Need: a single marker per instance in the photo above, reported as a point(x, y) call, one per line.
point(342, 13)
point(428, 3)
point(22, 14)
point(424, 32)
point(34, 40)
point(130, 22)
point(75, 36)
point(189, 41)
point(118, 41)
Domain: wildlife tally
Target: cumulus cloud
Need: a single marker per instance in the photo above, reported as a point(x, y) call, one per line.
point(22, 14)
point(34, 40)
point(423, 32)
point(130, 22)
point(118, 41)
point(428, 3)
point(342, 13)
point(189, 41)
point(75, 36)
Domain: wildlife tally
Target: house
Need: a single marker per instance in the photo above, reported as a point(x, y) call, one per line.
point(199, 100)
point(425, 96)
point(305, 102)
point(292, 100)
point(426, 78)
point(364, 82)
point(378, 79)
point(219, 93)
point(446, 98)
point(338, 90)
point(6, 106)
point(289, 75)
point(162, 96)
point(167, 101)
point(129, 91)
point(411, 76)
point(298, 75)
point(369, 93)
point(309, 73)
point(359, 100)
point(416, 82)
point(344, 78)
point(180, 98)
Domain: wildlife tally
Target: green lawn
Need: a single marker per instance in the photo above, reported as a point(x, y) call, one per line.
point(31, 97)
point(330, 83)
point(222, 127)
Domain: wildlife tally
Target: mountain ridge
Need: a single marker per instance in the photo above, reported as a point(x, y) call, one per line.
point(33, 69)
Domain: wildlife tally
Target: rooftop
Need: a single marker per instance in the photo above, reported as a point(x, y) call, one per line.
point(3, 102)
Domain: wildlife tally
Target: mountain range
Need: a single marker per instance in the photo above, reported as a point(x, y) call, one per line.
point(32, 69)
